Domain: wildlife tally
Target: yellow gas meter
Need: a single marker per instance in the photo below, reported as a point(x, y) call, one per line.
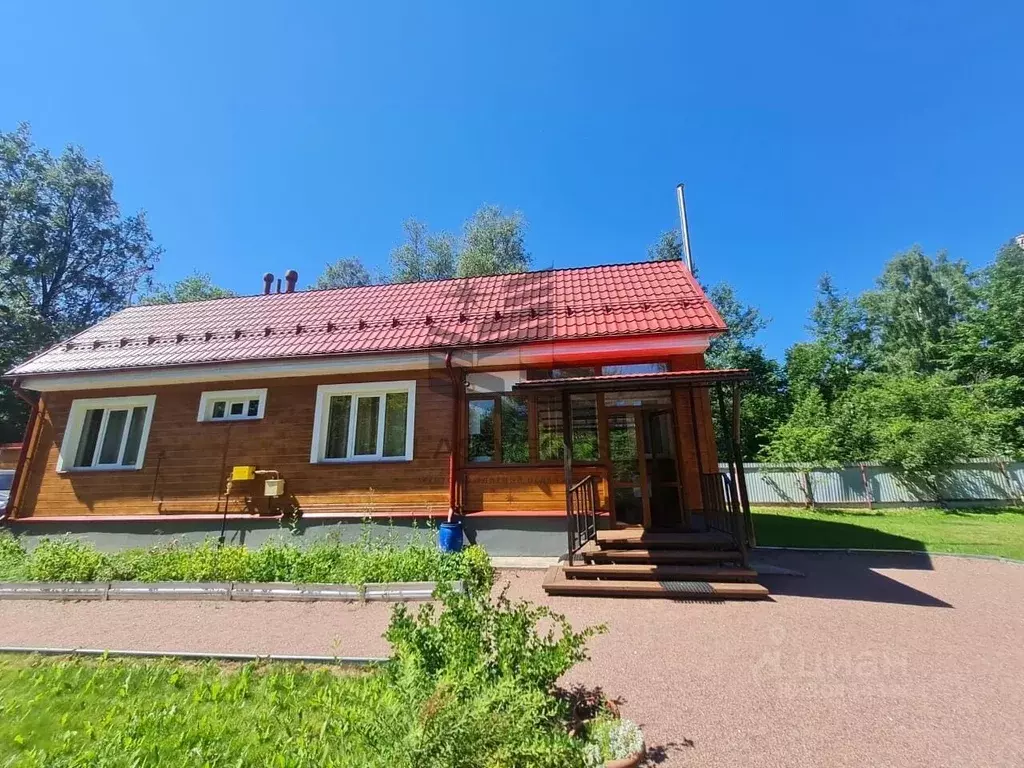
point(243, 473)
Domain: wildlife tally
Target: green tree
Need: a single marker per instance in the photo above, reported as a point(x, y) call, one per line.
point(68, 257)
point(668, 247)
point(423, 256)
point(493, 243)
point(344, 273)
point(914, 308)
point(195, 287)
point(763, 403)
point(839, 350)
point(987, 349)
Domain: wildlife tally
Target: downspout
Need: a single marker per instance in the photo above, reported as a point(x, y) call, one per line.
point(456, 380)
point(28, 451)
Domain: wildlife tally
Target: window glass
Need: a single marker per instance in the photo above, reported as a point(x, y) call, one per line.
point(254, 408)
point(481, 430)
point(584, 428)
point(90, 436)
point(549, 427)
point(515, 442)
point(633, 368)
point(110, 446)
point(237, 408)
point(367, 413)
point(218, 409)
point(111, 437)
point(560, 373)
point(337, 427)
point(396, 411)
point(131, 446)
point(6, 480)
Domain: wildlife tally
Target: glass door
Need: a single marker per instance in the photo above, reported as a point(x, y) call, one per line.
point(628, 476)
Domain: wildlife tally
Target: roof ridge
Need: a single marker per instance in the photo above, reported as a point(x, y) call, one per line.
point(432, 281)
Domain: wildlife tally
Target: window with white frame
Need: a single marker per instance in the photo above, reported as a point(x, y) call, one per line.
point(364, 422)
point(106, 433)
point(232, 405)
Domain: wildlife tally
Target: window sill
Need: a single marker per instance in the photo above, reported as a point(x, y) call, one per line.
point(94, 470)
point(366, 460)
point(231, 421)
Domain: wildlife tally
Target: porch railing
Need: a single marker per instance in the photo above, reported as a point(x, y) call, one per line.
point(581, 514)
point(722, 509)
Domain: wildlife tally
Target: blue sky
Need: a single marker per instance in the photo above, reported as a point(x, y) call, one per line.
point(811, 136)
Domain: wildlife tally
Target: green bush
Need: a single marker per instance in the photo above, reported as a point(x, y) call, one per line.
point(611, 739)
point(482, 675)
point(12, 557)
point(328, 561)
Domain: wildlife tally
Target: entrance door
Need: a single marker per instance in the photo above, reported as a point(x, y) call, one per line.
point(628, 470)
point(644, 469)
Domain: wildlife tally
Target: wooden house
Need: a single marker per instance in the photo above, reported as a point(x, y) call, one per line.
point(536, 407)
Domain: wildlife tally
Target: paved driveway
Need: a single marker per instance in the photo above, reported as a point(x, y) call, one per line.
point(868, 661)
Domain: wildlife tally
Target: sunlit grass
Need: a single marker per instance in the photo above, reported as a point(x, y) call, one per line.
point(967, 531)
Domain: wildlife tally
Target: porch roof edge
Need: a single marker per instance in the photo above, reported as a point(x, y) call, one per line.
point(636, 381)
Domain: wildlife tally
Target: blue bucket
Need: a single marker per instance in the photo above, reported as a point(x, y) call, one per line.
point(449, 537)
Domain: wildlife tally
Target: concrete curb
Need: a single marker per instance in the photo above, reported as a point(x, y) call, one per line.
point(225, 590)
point(922, 552)
point(349, 661)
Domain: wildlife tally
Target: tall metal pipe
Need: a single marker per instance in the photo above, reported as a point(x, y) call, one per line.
point(684, 227)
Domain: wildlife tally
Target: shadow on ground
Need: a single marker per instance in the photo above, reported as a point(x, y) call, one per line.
point(587, 702)
point(841, 575)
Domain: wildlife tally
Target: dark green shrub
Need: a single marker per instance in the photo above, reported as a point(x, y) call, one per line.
point(63, 559)
point(12, 557)
point(481, 674)
point(328, 561)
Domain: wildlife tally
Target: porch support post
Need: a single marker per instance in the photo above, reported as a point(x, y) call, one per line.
point(570, 520)
point(733, 464)
point(740, 474)
point(697, 452)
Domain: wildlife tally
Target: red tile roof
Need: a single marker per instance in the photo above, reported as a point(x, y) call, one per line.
point(560, 304)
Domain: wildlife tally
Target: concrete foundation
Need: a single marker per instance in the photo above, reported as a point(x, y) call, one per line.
point(500, 536)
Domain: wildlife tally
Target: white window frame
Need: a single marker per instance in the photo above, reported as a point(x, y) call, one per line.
point(208, 399)
point(325, 392)
point(76, 422)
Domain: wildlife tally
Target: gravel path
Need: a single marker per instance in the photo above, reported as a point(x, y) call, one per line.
point(868, 661)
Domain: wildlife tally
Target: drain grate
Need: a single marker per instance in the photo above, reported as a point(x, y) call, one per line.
point(688, 587)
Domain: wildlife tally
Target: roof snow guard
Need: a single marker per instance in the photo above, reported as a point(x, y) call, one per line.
point(554, 305)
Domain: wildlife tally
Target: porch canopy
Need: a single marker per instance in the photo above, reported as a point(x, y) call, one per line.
point(723, 496)
point(637, 381)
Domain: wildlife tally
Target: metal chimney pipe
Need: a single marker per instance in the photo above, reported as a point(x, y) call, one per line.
point(268, 280)
point(290, 278)
point(684, 227)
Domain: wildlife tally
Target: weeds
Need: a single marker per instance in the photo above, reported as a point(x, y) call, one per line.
point(328, 561)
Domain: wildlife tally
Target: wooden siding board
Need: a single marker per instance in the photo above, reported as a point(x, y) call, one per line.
point(187, 461)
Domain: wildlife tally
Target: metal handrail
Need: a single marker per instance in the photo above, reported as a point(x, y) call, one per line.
point(722, 510)
point(581, 514)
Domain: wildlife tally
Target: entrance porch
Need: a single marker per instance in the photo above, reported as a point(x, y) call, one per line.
point(661, 519)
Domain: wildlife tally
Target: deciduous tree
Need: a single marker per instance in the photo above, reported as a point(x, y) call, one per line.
point(68, 256)
point(195, 287)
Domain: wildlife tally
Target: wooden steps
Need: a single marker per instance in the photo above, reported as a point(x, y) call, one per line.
point(683, 565)
point(650, 571)
point(594, 552)
point(556, 583)
point(634, 537)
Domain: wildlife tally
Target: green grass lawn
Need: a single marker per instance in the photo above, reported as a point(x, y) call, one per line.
point(974, 531)
point(116, 713)
point(135, 713)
